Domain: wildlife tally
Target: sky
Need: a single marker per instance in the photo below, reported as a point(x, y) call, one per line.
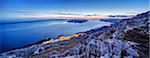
point(70, 8)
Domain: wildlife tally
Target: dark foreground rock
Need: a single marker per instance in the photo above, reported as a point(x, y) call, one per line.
point(126, 39)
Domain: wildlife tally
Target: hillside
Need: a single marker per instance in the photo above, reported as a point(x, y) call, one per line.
point(125, 39)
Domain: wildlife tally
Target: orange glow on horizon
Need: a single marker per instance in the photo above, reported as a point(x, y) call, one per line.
point(64, 16)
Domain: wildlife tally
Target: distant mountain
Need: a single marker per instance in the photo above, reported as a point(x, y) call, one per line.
point(125, 39)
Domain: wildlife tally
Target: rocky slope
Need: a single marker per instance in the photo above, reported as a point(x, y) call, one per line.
point(126, 39)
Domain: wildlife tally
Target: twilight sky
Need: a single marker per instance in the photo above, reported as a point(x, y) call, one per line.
point(70, 8)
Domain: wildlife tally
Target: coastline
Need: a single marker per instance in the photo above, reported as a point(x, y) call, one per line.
point(22, 37)
point(47, 39)
point(96, 32)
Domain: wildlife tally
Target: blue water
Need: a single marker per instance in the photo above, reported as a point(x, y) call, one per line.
point(20, 34)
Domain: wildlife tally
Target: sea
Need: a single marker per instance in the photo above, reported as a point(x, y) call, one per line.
point(15, 33)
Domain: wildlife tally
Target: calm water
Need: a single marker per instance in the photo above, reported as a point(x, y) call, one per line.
point(21, 34)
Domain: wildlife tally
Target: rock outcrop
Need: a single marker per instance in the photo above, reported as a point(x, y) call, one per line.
point(125, 39)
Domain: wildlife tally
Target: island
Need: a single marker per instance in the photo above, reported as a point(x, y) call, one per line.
point(111, 20)
point(77, 20)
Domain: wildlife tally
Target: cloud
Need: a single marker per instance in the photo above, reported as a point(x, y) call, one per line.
point(33, 14)
point(60, 13)
point(30, 14)
point(93, 15)
point(118, 16)
point(132, 13)
point(22, 11)
point(67, 14)
point(87, 15)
